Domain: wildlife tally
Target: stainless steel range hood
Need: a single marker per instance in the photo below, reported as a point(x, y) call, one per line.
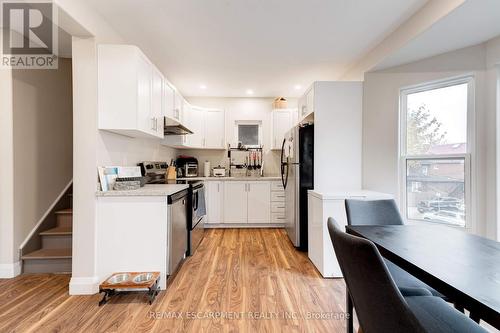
point(173, 127)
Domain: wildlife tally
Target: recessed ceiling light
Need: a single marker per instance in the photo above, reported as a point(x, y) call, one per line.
point(203, 87)
point(249, 92)
point(298, 87)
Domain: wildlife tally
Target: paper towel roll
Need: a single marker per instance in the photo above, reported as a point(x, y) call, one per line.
point(206, 169)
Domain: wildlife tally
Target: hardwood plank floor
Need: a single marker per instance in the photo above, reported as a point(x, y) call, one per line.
point(239, 280)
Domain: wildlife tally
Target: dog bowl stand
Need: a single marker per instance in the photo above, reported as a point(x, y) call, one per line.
point(151, 287)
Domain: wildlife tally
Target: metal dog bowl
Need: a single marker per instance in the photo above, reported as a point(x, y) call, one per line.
point(143, 277)
point(118, 278)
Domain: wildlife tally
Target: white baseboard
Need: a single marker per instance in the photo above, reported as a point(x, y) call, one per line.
point(243, 225)
point(8, 271)
point(84, 285)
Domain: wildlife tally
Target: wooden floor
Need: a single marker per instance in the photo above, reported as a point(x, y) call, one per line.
point(239, 280)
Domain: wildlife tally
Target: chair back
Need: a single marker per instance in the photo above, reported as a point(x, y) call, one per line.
point(379, 304)
point(372, 212)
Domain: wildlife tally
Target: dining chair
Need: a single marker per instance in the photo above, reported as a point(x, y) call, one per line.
point(379, 304)
point(384, 212)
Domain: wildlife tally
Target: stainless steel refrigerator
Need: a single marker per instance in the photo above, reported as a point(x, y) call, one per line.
point(297, 176)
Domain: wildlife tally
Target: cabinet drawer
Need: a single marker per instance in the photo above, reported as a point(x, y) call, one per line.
point(278, 207)
point(278, 196)
point(277, 186)
point(278, 217)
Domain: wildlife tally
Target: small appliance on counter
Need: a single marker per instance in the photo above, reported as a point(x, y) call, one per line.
point(219, 171)
point(155, 172)
point(187, 166)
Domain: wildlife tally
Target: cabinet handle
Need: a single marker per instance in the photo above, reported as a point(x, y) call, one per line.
point(248, 187)
point(280, 218)
point(218, 189)
point(280, 206)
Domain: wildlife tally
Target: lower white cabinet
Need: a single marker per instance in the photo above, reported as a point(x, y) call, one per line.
point(215, 201)
point(247, 202)
point(259, 202)
point(235, 202)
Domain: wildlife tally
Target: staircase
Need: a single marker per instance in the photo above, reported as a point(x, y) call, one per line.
point(50, 249)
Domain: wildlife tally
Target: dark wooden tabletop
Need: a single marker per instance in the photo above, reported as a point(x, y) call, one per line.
point(462, 266)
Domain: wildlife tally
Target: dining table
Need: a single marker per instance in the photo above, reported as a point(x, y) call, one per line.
point(463, 267)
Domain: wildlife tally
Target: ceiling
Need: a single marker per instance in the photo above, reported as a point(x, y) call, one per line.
point(273, 47)
point(472, 23)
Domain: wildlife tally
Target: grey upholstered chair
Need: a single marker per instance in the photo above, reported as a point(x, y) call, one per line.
point(379, 304)
point(384, 212)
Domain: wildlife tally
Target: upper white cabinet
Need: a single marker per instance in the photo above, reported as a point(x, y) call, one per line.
point(196, 124)
point(282, 121)
point(129, 92)
point(208, 126)
point(178, 107)
point(215, 129)
point(306, 103)
point(157, 105)
point(168, 100)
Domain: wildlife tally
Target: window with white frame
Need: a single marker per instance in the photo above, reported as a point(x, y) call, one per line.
point(436, 131)
point(248, 133)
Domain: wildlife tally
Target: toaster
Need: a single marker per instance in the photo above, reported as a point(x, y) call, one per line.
point(219, 171)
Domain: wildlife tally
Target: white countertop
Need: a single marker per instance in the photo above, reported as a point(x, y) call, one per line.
point(338, 195)
point(268, 178)
point(147, 190)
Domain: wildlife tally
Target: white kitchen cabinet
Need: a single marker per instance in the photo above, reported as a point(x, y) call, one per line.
point(247, 202)
point(196, 124)
point(259, 202)
point(207, 125)
point(215, 129)
point(321, 207)
point(126, 92)
point(235, 202)
point(282, 122)
point(178, 107)
point(157, 105)
point(168, 99)
point(309, 102)
point(215, 200)
point(306, 103)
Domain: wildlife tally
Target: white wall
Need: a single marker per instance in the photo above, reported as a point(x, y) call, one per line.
point(8, 268)
point(241, 109)
point(43, 143)
point(381, 125)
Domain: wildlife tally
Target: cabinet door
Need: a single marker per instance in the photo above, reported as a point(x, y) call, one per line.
point(282, 122)
point(259, 202)
point(157, 108)
point(235, 202)
point(196, 124)
point(145, 120)
point(309, 102)
point(168, 99)
point(178, 105)
point(215, 129)
point(215, 199)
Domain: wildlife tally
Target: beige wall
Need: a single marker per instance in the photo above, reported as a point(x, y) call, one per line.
point(381, 126)
point(43, 156)
point(241, 109)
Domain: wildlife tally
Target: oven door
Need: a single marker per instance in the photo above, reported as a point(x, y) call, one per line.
point(199, 204)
